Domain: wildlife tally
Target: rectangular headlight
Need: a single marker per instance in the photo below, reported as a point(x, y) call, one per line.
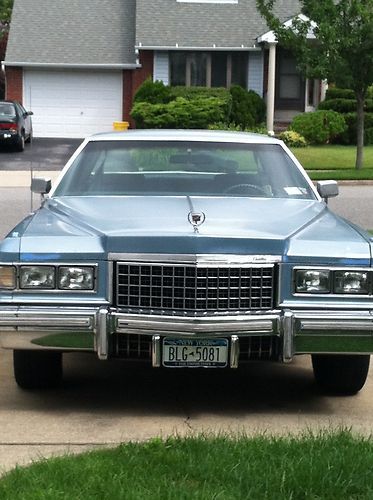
point(312, 281)
point(354, 282)
point(76, 278)
point(37, 277)
point(8, 277)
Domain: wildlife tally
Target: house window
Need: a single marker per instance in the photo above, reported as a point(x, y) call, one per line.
point(208, 69)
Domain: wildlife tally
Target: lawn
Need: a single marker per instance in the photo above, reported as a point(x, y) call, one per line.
point(337, 162)
point(333, 466)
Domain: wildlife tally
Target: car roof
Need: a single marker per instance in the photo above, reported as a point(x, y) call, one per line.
point(185, 135)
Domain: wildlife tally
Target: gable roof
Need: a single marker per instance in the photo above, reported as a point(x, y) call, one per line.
point(175, 24)
point(72, 33)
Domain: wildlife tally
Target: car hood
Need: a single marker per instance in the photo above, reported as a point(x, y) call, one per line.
point(92, 227)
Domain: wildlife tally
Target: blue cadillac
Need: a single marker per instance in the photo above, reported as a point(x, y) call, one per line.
point(187, 249)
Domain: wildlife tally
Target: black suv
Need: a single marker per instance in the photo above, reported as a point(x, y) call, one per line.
point(15, 124)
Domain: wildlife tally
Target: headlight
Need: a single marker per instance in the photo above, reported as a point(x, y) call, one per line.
point(312, 281)
point(39, 277)
point(76, 278)
point(351, 282)
point(8, 277)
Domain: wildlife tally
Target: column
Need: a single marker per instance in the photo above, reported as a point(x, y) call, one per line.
point(271, 87)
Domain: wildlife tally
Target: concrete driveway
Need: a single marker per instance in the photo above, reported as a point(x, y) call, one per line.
point(42, 154)
point(106, 403)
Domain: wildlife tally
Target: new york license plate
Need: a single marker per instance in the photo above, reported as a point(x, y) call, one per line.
point(195, 353)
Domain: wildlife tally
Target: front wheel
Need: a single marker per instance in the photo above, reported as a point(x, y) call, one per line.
point(37, 369)
point(340, 373)
point(20, 143)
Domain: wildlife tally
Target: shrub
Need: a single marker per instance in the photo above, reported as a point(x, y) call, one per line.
point(319, 127)
point(180, 113)
point(293, 139)
point(336, 93)
point(345, 105)
point(197, 92)
point(258, 129)
point(153, 93)
point(349, 136)
point(248, 108)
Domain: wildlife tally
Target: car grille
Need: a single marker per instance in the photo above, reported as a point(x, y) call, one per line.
point(191, 289)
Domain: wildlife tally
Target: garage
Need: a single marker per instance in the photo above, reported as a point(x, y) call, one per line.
point(73, 103)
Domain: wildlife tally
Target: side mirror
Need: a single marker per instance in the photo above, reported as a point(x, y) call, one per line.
point(41, 185)
point(29, 113)
point(327, 189)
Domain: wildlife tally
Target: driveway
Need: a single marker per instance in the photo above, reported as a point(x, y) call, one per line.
point(42, 154)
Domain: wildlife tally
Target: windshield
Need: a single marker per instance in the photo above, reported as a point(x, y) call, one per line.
point(161, 168)
point(7, 109)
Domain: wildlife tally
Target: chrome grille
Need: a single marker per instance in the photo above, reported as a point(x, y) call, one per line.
point(190, 288)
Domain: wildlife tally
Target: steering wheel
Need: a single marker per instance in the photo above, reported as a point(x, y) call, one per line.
point(245, 189)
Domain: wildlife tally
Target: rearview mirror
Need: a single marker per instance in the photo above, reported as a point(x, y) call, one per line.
point(327, 189)
point(41, 185)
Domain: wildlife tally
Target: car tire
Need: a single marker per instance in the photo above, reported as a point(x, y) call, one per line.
point(340, 374)
point(20, 143)
point(37, 369)
point(30, 137)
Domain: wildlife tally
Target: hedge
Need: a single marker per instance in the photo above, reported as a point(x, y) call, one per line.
point(345, 105)
point(336, 93)
point(180, 113)
point(349, 136)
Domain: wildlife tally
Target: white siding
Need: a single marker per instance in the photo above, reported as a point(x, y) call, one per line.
point(73, 103)
point(161, 67)
point(255, 68)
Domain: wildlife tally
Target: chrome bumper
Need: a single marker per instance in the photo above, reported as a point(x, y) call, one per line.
point(91, 329)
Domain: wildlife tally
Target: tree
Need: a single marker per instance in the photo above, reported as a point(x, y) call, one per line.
point(5, 14)
point(341, 52)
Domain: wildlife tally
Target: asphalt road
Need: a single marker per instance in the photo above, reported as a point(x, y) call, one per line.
point(105, 403)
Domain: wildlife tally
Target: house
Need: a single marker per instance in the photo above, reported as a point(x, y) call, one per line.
point(78, 64)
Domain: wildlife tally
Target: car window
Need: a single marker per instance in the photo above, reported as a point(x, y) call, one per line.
point(184, 168)
point(7, 109)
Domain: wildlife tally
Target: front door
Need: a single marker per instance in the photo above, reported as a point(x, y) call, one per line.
point(290, 85)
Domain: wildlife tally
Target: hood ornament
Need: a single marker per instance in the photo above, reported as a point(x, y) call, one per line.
point(196, 219)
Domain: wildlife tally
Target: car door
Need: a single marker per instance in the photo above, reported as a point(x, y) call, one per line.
point(26, 119)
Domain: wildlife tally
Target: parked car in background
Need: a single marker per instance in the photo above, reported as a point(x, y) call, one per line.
point(187, 249)
point(15, 125)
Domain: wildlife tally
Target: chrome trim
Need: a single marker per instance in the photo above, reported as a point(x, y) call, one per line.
point(102, 340)
point(235, 351)
point(132, 323)
point(197, 259)
point(288, 333)
point(156, 351)
point(348, 325)
point(59, 319)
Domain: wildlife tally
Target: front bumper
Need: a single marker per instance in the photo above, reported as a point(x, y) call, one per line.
point(94, 328)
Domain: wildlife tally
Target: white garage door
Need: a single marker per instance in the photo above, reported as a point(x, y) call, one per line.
point(73, 103)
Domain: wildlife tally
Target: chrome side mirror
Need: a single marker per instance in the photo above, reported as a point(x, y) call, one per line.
point(327, 189)
point(41, 185)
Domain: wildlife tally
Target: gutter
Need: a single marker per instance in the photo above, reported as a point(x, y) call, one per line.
point(212, 48)
point(24, 64)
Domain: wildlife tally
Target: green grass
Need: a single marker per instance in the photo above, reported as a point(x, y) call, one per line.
point(336, 162)
point(333, 466)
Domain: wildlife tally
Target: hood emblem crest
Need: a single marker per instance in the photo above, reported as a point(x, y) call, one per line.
point(196, 219)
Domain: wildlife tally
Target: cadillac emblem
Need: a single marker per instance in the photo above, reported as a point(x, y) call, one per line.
point(196, 219)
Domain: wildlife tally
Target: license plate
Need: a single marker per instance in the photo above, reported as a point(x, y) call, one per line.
point(210, 353)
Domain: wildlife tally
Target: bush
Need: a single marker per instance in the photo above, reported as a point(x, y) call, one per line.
point(153, 93)
point(248, 108)
point(293, 139)
point(349, 136)
point(198, 92)
point(232, 127)
point(336, 93)
point(319, 127)
point(180, 113)
point(345, 105)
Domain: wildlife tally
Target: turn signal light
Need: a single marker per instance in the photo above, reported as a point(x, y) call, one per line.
point(7, 277)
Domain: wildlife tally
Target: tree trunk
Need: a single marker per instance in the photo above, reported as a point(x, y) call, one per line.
point(360, 97)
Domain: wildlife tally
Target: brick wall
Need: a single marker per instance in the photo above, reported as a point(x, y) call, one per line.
point(14, 84)
point(132, 79)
